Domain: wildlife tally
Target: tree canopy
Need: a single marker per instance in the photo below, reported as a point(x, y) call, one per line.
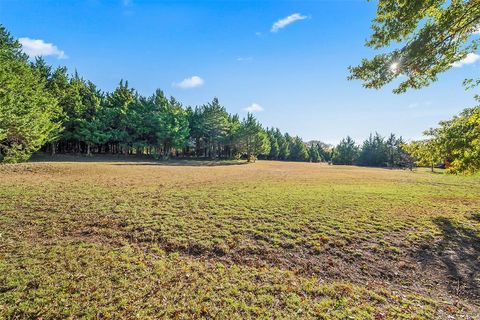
point(27, 110)
point(419, 40)
point(455, 143)
point(422, 39)
point(346, 152)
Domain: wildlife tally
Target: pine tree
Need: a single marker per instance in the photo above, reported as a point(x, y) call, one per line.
point(253, 138)
point(274, 146)
point(298, 150)
point(346, 152)
point(27, 110)
point(313, 154)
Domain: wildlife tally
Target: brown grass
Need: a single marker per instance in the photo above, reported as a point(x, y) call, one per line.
point(372, 243)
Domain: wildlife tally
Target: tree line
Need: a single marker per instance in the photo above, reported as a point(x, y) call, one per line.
point(376, 151)
point(47, 109)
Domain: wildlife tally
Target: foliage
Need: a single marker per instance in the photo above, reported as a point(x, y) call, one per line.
point(124, 122)
point(377, 151)
point(426, 152)
point(455, 142)
point(27, 111)
point(284, 143)
point(313, 154)
point(40, 105)
point(172, 130)
point(460, 138)
point(426, 37)
point(298, 150)
point(274, 144)
point(373, 151)
point(253, 140)
point(346, 152)
point(324, 150)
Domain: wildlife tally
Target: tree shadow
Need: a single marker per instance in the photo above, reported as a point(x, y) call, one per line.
point(455, 259)
point(475, 216)
point(138, 160)
point(183, 163)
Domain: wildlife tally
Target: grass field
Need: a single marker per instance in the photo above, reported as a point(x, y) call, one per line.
point(228, 240)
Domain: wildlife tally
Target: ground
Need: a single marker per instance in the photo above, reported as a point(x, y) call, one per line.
point(230, 240)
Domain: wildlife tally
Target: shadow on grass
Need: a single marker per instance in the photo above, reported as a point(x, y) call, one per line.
point(129, 160)
point(184, 163)
point(475, 216)
point(456, 257)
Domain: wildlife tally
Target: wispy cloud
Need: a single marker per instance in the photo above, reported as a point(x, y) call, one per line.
point(192, 82)
point(469, 59)
point(253, 108)
point(127, 7)
point(282, 23)
point(38, 47)
point(244, 59)
point(415, 105)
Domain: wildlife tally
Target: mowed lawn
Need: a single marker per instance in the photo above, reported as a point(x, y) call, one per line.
point(228, 240)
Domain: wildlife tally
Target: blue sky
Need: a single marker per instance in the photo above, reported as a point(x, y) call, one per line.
point(295, 73)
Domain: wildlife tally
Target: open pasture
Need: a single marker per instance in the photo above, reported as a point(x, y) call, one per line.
point(222, 240)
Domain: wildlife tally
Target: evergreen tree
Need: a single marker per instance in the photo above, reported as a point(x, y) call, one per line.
point(115, 117)
point(274, 146)
point(373, 152)
point(231, 143)
point(27, 110)
point(284, 151)
point(253, 138)
point(313, 154)
point(396, 156)
point(172, 130)
point(43, 105)
point(213, 127)
point(298, 150)
point(346, 152)
point(323, 149)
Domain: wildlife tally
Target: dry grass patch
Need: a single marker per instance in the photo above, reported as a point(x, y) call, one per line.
point(375, 243)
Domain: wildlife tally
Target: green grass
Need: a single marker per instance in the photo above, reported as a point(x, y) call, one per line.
point(264, 240)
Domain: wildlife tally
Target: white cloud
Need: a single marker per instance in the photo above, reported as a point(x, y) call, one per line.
point(282, 23)
point(38, 47)
point(254, 107)
point(191, 82)
point(477, 30)
point(469, 59)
